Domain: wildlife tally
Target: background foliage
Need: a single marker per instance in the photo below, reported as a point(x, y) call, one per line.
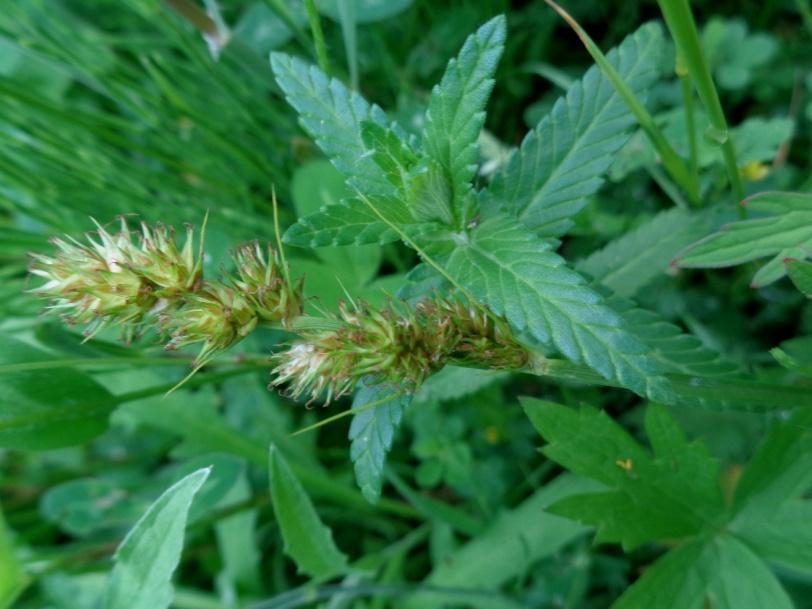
point(115, 496)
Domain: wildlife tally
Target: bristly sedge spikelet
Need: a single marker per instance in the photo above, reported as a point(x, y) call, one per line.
point(396, 345)
point(117, 279)
point(143, 280)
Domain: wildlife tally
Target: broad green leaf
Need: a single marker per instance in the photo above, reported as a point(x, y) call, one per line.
point(800, 273)
point(307, 541)
point(332, 115)
point(632, 261)
point(13, 579)
point(456, 111)
point(149, 555)
point(674, 495)
point(514, 272)
point(782, 467)
point(87, 505)
point(429, 196)
point(561, 162)
point(782, 536)
point(47, 408)
point(722, 573)
point(516, 540)
point(780, 235)
point(371, 434)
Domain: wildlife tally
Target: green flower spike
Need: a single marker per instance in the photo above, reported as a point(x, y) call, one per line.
point(394, 345)
point(114, 280)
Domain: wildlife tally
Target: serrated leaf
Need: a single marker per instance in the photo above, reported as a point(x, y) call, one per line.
point(353, 223)
point(561, 162)
point(790, 230)
point(514, 272)
point(456, 114)
point(371, 434)
point(454, 382)
point(722, 573)
point(307, 541)
point(639, 256)
point(429, 194)
point(149, 555)
point(675, 351)
point(390, 152)
point(674, 495)
point(332, 115)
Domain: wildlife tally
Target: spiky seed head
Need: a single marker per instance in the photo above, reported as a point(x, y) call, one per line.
point(396, 345)
point(217, 316)
point(114, 280)
point(263, 280)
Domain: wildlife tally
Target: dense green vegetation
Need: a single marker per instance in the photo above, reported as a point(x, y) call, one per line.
point(548, 267)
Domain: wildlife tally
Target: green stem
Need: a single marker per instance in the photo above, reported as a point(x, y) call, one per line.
point(318, 36)
point(281, 9)
point(195, 381)
point(670, 159)
point(732, 394)
point(683, 29)
point(690, 121)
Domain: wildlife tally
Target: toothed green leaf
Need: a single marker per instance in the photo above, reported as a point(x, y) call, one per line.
point(371, 434)
point(456, 109)
point(517, 275)
point(561, 162)
point(332, 115)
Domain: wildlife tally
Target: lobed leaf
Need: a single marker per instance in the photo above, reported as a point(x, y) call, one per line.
point(722, 573)
point(561, 162)
point(456, 111)
point(674, 495)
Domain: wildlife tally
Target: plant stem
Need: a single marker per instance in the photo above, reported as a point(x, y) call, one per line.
point(731, 394)
point(680, 21)
point(690, 120)
point(318, 36)
point(671, 160)
point(281, 9)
